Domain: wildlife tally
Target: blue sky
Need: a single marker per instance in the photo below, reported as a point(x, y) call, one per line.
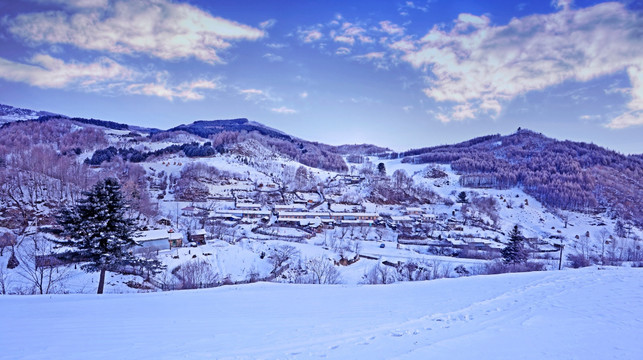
point(401, 74)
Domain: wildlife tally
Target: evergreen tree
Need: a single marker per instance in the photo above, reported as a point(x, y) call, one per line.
point(462, 198)
point(515, 252)
point(100, 234)
point(381, 169)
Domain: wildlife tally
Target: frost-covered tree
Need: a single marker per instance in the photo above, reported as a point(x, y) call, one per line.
point(515, 252)
point(100, 233)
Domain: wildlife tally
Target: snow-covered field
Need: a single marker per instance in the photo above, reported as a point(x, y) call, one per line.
point(590, 313)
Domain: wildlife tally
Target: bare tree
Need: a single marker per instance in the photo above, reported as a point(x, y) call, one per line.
point(44, 273)
point(281, 255)
point(603, 237)
point(196, 274)
point(414, 271)
point(4, 282)
point(321, 271)
point(380, 274)
point(6, 239)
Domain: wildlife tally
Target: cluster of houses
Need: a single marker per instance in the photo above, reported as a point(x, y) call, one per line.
point(298, 214)
point(295, 214)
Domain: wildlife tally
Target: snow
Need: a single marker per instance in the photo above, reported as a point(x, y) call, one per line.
point(593, 313)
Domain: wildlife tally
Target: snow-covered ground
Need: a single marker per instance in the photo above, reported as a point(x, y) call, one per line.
point(590, 313)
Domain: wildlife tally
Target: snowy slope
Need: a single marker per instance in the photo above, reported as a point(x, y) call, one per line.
point(575, 314)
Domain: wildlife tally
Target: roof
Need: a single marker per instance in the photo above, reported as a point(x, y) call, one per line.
point(242, 212)
point(307, 214)
point(154, 235)
point(354, 214)
point(290, 206)
point(248, 206)
point(456, 242)
point(414, 209)
point(357, 221)
point(401, 218)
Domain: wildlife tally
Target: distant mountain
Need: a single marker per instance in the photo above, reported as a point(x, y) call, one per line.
point(206, 128)
point(361, 149)
point(10, 113)
point(562, 174)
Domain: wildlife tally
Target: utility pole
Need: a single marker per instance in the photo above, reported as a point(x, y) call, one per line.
point(560, 258)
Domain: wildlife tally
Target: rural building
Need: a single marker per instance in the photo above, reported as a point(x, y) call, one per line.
point(291, 207)
point(197, 236)
point(159, 239)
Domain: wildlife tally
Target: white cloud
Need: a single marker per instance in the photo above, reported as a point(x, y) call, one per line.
point(303, 95)
point(45, 71)
point(634, 114)
point(272, 57)
point(390, 28)
point(104, 75)
point(258, 95)
point(378, 58)
point(405, 45)
point(343, 51)
point(344, 39)
point(267, 24)
point(410, 5)
point(159, 28)
point(309, 36)
point(350, 34)
point(371, 56)
point(479, 66)
point(184, 91)
point(80, 4)
point(276, 45)
point(562, 4)
point(283, 110)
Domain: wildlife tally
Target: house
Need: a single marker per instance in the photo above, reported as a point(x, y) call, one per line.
point(159, 239)
point(354, 218)
point(402, 219)
point(297, 207)
point(304, 218)
point(248, 206)
point(164, 222)
point(197, 236)
point(189, 211)
point(414, 211)
point(429, 217)
point(245, 214)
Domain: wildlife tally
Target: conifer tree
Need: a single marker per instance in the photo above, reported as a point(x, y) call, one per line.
point(100, 233)
point(462, 198)
point(381, 169)
point(515, 252)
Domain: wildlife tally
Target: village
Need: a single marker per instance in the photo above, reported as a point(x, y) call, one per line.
point(413, 225)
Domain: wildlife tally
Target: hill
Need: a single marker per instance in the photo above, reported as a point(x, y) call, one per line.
point(10, 113)
point(561, 174)
point(587, 314)
point(431, 213)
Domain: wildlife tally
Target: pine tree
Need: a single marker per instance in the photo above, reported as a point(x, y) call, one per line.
point(462, 198)
point(99, 232)
point(515, 252)
point(381, 169)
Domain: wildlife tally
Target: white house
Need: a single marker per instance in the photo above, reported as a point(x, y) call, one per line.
point(291, 207)
point(159, 239)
